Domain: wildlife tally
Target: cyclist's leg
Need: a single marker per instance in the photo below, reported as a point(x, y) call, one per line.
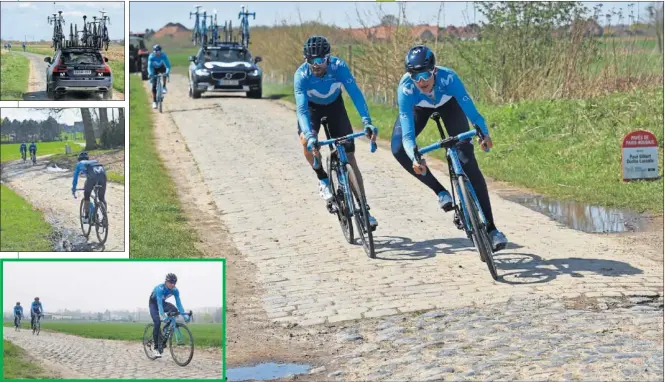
point(101, 192)
point(315, 119)
point(421, 116)
point(456, 122)
point(154, 314)
point(32, 320)
point(153, 82)
point(87, 190)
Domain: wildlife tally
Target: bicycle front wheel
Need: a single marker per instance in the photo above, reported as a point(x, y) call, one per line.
point(480, 236)
point(148, 341)
point(85, 228)
point(38, 327)
point(181, 345)
point(340, 201)
point(361, 214)
point(101, 223)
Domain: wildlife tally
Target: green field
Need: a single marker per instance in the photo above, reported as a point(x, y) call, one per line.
point(16, 364)
point(22, 228)
point(11, 151)
point(566, 149)
point(158, 227)
point(14, 73)
point(205, 335)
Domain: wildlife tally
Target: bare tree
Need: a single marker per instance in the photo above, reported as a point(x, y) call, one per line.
point(121, 117)
point(88, 129)
point(103, 119)
point(656, 19)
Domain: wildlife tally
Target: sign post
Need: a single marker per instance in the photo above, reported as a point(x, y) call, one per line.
point(639, 156)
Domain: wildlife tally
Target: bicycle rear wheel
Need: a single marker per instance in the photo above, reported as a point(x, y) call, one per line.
point(184, 341)
point(101, 222)
point(479, 234)
point(361, 215)
point(343, 215)
point(148, 341)
point(86, 231)
point(38, 327)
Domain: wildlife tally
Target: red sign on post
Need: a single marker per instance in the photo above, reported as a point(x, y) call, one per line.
point(639, 156)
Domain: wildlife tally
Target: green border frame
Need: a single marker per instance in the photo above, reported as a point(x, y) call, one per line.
point(222, 260)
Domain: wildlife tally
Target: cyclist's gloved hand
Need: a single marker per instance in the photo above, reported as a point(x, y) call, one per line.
point(311, 142)
point(372, 133)
point(187, 317)
point(74, 191)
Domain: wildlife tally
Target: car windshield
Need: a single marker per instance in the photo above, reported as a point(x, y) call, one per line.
point(229, 55)
point(81, 58)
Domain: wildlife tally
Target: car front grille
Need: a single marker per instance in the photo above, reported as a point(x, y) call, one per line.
point(234, 75)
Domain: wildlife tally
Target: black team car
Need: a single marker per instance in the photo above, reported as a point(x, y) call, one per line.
point(78, 70)
point(225, 67)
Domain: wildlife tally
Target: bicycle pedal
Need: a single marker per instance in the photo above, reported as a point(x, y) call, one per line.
point(448, 207)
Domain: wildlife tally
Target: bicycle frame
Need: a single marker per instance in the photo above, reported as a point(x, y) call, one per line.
point(243, 15)
point(196, 22)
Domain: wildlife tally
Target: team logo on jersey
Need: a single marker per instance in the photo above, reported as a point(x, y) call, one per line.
point(447, 80)
point(407, 89)
point(97, 170)
point(465, 98)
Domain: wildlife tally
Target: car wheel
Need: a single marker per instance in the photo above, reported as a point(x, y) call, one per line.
point(49, 93)
point(132, 66)
point(255, 93)
point(196, 94)
point(108, 95)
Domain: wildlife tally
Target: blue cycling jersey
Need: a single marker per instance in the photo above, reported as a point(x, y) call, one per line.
point(447, 85)
point(33, 147)
point(36, 307)
point(161, 293)
point(324, 90)
point(18, 310)
point(23, 147)
point(156, 62)
point(84, 167)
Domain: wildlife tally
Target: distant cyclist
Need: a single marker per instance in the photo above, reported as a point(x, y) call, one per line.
point(427, 88)
point(33, 150)
point(36, 310)
point(159, 307)
point(23, 47)
point(158, 63)
point(317, 87)
point(24, 150)
point(18, 314)
point(95, 175)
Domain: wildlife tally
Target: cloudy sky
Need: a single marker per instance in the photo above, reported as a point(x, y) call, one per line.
point(343, 14)
point(66, 116)
point(101, 285)
point(21, 19)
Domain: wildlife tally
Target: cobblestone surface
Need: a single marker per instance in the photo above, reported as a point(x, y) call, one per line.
point(106, 359)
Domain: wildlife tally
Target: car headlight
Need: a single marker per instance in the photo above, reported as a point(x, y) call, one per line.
point(254, 73)
point(202, 72)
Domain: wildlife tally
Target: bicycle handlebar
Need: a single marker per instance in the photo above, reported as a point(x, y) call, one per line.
point(342, 140)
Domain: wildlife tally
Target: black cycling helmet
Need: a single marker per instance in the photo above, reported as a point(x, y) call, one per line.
point(171, 278)
point(156, 48)
point(419, 59)
point(316, 46)
point(83, 156)
point(36, 298)
point(18, 302)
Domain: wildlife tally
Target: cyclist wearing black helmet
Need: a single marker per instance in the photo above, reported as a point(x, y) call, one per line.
point(36, 309)
point(427, 88)
point(158, 63)
point(317, 87)
point(95, 174)
point(158, 306)
point(18, 313)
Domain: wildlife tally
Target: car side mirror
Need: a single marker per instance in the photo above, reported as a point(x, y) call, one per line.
point(257, 59)
point(192, 59)
point(47, 59)
point(106, 59)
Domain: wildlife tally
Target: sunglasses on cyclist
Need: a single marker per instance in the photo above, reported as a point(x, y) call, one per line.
point(317, 60)
point(421, 76)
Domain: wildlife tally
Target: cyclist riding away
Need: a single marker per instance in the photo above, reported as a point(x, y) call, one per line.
point(18, 313)
point(36, 309)
point(317, 86)
point(24, 47)
point(159, 307)
point(95, 175)
point(33, 149)
point(423, 90)
point(24, 149)
point(158, 63)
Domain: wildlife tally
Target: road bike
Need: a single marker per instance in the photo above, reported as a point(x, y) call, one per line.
point(468, 215)
point(159, 92)
point(174, 334)
point(33, 157)
point(214, 28)
point(349, 202)
point(58, 35)
point(244, 25)
point(97, 216)
point(196, 32)
point(103, 31)
point(36, 326)
point(17, 323)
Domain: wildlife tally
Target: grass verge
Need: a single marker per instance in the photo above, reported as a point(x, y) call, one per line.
point(205, 335)
point(14, 72)
point(22, 227)
point(9, 152)
point(564, 149)
point(158, 227)
point(17, 365)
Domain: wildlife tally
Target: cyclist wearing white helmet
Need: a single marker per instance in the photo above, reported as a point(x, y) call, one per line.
point(427, 88)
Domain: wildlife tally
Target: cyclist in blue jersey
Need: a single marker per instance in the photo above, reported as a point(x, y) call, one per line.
point(33, 148)
point(23, 149)
point(427, 88)
point(18, 313)
point(159, 307)
point(317, 87)
point(36, 309)
point(158, 63)
point(95, 174)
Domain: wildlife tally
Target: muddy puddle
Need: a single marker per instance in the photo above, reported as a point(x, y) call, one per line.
point(266, 371)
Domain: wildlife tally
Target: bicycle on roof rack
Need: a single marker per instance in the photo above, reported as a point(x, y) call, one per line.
point(196, 32)
point(58, 35)
point(104, 39)
point(244, 25)
point(214, 28)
